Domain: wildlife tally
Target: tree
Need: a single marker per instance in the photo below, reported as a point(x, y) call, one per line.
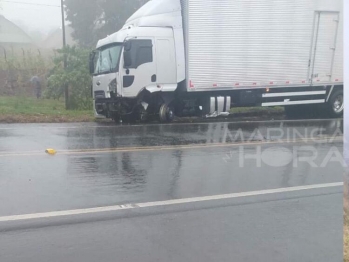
point(82, 15)
point(75, 75)
point(112, 20)
point(95, 19)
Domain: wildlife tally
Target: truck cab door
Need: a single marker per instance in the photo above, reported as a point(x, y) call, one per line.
point(138, 66)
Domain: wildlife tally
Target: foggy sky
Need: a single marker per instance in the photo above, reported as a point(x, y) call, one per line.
point(34, 17)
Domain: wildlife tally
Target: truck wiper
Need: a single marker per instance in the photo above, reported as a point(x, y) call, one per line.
point(100, 62)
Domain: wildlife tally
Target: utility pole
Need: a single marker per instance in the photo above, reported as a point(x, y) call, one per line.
point(63, 24)
point(66, 91)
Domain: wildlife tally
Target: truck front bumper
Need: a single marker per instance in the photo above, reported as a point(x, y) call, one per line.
point(106, 107)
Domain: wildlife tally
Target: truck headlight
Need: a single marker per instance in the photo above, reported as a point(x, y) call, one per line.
point(112, 86)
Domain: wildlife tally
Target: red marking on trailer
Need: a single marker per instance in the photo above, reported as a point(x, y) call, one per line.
point(303, 82)
point(271, 83)
point(287, 82)
point(214, 85)
point(191, 84)
point(254, 84)
point(237, 84)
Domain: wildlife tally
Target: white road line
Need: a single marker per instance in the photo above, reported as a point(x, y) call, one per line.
point(163, 203)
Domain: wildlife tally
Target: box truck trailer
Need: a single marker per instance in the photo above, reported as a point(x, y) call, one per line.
point(204, 57)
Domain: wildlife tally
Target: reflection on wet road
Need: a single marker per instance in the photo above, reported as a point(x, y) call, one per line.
point(17, 138)
point(107, 165)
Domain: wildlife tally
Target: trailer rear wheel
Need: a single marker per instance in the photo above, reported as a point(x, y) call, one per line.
point(336, 104)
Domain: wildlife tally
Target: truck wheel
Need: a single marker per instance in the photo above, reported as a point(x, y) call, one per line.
point(336, 104)
point(166, 113)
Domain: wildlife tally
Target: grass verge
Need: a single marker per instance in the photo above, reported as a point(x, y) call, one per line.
point(346, 239)
point(32, 110)
point(346, 221)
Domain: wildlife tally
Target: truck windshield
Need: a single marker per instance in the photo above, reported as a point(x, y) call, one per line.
point(107, 59)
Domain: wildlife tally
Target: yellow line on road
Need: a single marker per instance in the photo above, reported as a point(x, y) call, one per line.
point(176, 147)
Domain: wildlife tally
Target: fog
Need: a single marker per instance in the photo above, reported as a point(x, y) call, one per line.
point(33, 16)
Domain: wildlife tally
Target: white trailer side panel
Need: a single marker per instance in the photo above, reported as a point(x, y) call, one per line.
point(258, 43)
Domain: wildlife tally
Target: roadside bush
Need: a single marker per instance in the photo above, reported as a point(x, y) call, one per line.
point(75, 76)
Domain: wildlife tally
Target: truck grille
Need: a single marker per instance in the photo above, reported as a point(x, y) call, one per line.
point(99, 94)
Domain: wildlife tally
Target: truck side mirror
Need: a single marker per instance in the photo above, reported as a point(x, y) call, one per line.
point(127, 59)
point(91, 63)
point(128, 45)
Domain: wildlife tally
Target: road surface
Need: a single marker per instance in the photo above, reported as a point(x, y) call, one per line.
point(258, 191)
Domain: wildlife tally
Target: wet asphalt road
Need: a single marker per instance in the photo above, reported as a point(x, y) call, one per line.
point(105, 165)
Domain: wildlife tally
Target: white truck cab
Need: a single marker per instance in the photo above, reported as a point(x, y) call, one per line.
point(145, 56)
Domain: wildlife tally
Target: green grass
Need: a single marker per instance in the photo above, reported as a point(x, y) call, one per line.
point(346, 220)
point(27, 109)
point(346, 239)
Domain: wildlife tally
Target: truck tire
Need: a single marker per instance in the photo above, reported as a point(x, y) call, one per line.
point(335, 104)
point(166, 114)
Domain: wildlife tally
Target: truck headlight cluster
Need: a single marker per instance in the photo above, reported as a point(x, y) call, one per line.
point(112, 86)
